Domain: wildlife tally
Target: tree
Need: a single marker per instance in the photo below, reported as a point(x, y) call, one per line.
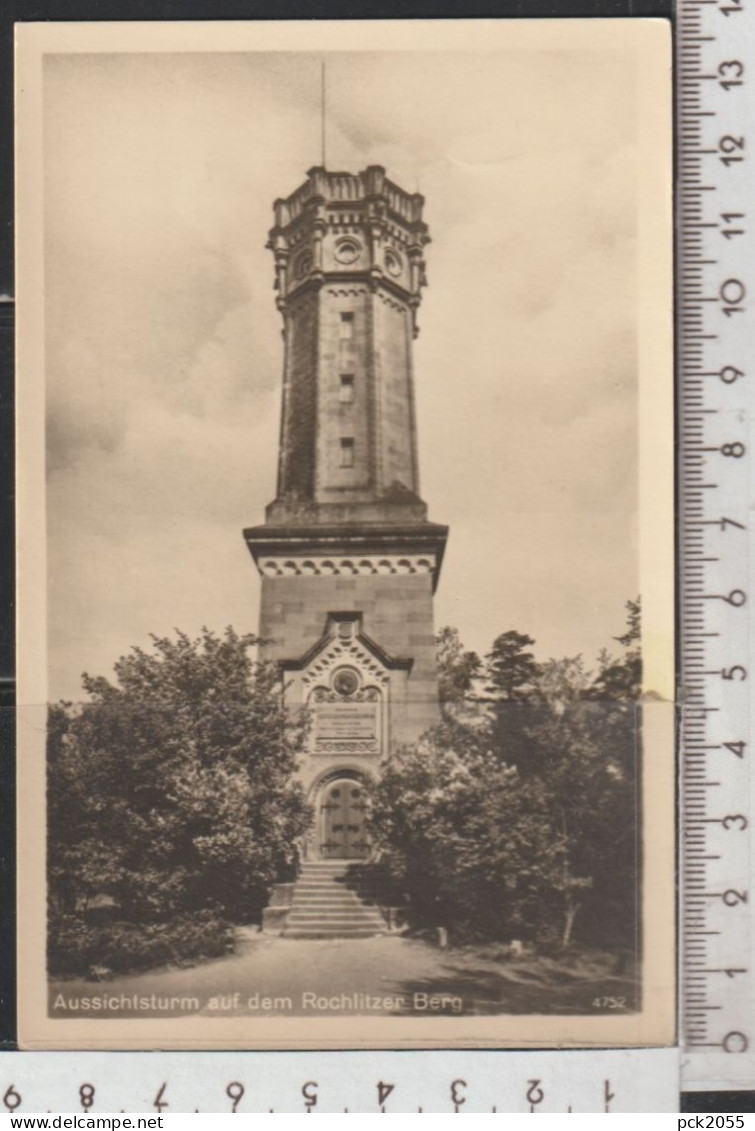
point(457, 668)
point(620, 678)
point(586, 751)
point(514, 705)
point(511, 670)
point(561, 683)
point(524, 822)
point(171, 790)
point(573, 767)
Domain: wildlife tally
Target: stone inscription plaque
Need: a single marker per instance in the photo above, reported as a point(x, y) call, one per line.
point(347, 720)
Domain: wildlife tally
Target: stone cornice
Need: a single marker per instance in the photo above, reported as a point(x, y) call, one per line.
point(334, 565)
point(348, 549)
point(371, 279)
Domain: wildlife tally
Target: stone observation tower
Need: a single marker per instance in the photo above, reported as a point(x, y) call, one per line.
point(348, 559)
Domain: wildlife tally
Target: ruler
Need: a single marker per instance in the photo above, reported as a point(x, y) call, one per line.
point(462, 1082)
point(715, 114)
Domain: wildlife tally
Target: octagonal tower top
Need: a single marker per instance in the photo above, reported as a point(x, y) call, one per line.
point(349, 225)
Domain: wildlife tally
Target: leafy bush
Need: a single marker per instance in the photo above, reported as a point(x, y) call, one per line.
point(470, 843)
point(79, 948)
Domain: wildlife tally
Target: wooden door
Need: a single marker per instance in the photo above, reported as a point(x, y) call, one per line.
point(344, 824)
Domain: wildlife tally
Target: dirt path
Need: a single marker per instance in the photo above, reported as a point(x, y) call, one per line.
point(382, 975)
point(265, 968)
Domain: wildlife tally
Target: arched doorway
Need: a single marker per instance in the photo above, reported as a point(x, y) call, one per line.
point(343, 819)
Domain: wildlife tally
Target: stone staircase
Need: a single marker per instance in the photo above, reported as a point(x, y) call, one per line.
point(324, 908)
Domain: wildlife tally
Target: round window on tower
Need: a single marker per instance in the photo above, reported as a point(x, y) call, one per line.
point(346, 681)
point(393, 263)
point(347, 251)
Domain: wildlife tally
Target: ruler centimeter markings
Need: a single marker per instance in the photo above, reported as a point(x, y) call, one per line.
point(715, 119)
point(452, 1082)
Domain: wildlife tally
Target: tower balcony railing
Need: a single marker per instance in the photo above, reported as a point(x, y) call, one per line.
point(349, 187)
point(406, 205)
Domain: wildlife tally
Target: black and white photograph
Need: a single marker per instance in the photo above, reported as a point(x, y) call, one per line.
point(346, 534)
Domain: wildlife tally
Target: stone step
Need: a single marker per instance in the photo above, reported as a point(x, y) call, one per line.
point(324, 899)
point(320, 873)
point(331, 898)
point(334, 907)
point(322, 885)
point(323, 874)
point(322, 877)
point(318, 870)
point(338, 894)
point(334, 916)
point(321, 865)
point(331, 932)
point(314, 899)
point(335, 912)
point(342, 895)
point(331, 862)
point(334, 929)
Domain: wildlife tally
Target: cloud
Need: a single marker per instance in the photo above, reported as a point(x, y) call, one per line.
point(164, 350)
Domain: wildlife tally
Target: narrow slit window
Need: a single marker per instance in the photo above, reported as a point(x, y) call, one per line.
point(346, 391)
point(347, 326)
point(347, 451)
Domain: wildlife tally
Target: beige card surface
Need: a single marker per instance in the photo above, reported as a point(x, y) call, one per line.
point(374, 744)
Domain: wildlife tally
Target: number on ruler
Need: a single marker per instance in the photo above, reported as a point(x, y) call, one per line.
point(731, 73)
point(235, 1092)
point(12, 1098)
point(729, 374)
point(731, 149)
point(535, 1094)
point(728, 9)
point(734, 449)
point(458, 1098)
point(384, 1090)
point(735, 672)
point(732, 897)
point(158, 1101)
point(737, 748)
point(731, 293)
point(734, 820)
point(723, 523)
point(735, 1042)
point(729, 218)
point(737, 597)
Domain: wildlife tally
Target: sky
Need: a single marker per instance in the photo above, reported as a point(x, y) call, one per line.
point(164, 352)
